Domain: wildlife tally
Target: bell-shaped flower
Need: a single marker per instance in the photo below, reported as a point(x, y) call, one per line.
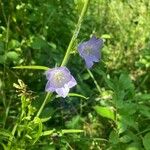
point(90, 51)
point(60, 80)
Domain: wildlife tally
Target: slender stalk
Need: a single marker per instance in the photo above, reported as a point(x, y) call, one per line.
point(95, 82)
point(48, 95)
point(75, 34)
point(67, 55)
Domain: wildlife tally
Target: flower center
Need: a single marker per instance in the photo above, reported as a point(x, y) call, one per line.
point(59, 77)
point(88, 50)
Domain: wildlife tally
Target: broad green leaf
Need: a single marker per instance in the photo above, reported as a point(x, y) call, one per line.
point(32, 67)
point(146, 141)
point(12, 55)
point(135, 145)
point(39, 43)
point(13, 44)
point(132, 148)
point(106, 112)
point(125, 82)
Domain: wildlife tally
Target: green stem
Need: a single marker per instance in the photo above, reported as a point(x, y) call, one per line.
point(67, 55)
point(95, 82)
point(48, 95)
point(75, 34)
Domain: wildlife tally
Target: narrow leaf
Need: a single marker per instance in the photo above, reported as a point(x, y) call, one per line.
point(77, 95)
point(65, 131)
point(32, 67)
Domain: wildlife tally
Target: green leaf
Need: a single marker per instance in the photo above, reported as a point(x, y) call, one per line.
point(74, 122)
point(77, 95)
point(146, 141)
point(39, 132)
point(132, 147)
point(144, 110)
point(12, 55)
point(66, 131)
point(39, 43)
point(125, 82)
point(4, 146)
point(49, 132)
point(125, 139)
point(32, 67)
point(13, 44)
point(106, 36)
point(143, 97)
point(5, 133)
point(106, 112)
point(114, 137)
point(121, 126)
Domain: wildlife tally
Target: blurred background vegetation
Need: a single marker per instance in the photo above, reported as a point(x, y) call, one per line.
point(115, 116)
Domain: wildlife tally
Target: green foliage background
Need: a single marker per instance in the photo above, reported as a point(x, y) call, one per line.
point(116, 113)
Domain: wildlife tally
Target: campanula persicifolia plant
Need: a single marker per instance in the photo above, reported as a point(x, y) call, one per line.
point(60, 80)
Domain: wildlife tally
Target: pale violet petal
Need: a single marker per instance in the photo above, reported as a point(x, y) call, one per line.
point(72, 83)
point(63, 92)
point(89, 64)
point(64, 69)
point(48, 87)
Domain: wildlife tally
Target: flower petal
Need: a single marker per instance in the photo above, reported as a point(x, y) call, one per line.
point(49, 88)
point(71, 83)
point(49, 73)
point(89, 64)
point(63, 92)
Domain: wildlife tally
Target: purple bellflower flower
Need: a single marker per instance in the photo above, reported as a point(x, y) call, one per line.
point(90, 51)
point(59, 80)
